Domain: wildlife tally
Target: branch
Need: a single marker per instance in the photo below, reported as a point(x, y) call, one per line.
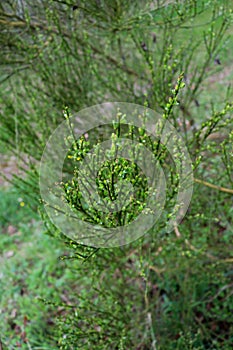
point(44, 27)
point(208, 184)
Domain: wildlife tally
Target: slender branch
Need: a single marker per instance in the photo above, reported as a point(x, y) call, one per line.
point(210, 256)
point(43, 26)
point(208, 184)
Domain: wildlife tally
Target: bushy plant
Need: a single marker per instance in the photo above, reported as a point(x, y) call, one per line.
point(164, 291)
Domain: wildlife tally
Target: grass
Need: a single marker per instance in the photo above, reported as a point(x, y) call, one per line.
point(30, 269)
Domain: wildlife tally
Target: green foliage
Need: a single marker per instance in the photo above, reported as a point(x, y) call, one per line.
point(28, 269)
point(164, 291)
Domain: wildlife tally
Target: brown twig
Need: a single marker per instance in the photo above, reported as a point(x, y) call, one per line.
point(220, 188)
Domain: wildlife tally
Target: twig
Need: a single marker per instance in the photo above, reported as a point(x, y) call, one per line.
point(177, 232)
point(43, 26)
point(220, 291)
point(220, 188)
point(153, 344)
point(178, 235)
point(212, 257)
